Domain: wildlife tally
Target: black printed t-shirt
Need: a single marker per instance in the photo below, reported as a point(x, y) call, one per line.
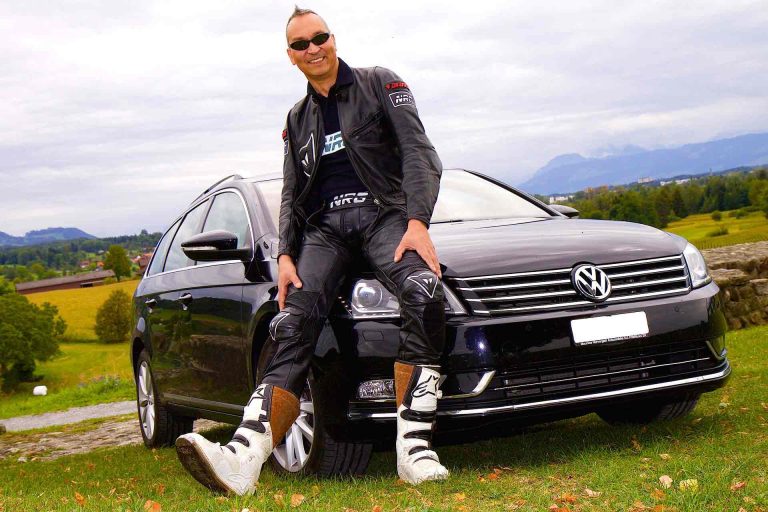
point(335, 174)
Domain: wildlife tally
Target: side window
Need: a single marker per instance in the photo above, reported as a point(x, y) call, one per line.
point(161, 250)
point(189, 226)
point(228, 213)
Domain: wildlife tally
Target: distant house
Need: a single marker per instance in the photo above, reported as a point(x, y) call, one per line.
point(557, 199)
point(84, 280)
point(646, 179)
point(142, 261)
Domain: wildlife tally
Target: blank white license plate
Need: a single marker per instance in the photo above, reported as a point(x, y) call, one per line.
point(602, 329)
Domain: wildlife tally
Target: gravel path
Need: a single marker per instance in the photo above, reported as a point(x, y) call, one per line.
point(73, 415)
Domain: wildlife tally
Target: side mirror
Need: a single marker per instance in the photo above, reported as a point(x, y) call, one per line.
point(565, 210)
point(217, 245)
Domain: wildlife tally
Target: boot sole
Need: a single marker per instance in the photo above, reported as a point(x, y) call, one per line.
point(197, 465)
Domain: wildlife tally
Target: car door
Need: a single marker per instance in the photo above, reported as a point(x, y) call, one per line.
point(216, 345)
point(170, 317)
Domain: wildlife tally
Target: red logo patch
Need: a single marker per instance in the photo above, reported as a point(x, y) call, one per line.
point(285, 134)
point(396, 85)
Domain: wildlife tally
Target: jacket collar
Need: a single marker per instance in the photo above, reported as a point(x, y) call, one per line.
point(344, 78)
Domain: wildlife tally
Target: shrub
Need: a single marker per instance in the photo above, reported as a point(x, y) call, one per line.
point(738, 214)
point(717, 216)
point(720, 231)
point(673, 218)
point(113, 319)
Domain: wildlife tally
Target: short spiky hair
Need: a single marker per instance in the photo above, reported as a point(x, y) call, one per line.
point(298, 11)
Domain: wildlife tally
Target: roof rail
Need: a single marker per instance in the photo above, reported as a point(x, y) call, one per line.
point(222, 180)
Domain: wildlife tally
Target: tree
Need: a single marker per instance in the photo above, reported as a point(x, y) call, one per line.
point(28, 333)
point(117, 261)
point(113, 319)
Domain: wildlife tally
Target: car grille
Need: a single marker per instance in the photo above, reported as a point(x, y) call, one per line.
point(604, 371)
point(549, 290)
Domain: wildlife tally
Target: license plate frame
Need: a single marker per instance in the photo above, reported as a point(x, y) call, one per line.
point(609, 328)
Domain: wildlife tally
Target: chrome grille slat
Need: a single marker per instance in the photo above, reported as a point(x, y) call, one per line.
point(547, 291)
point(527, 296)
point(642, 272)
point(517, 286)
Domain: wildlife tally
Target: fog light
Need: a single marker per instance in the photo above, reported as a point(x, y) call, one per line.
point(376, 389)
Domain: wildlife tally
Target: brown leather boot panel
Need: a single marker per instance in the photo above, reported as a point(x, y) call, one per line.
point(403, 374)
point(284, 411)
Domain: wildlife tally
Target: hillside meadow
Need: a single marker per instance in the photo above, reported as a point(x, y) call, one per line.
point(699, 229)
point(78, 306)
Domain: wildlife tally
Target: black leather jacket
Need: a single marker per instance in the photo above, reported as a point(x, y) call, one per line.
point(385, 142)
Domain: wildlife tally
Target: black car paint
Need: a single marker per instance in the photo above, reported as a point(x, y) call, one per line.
point(206, 348)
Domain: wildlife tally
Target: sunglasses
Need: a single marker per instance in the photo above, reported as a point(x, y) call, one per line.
point(303, 44)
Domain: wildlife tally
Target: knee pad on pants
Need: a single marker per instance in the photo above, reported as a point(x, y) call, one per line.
point(292, 320)
point(421, 288)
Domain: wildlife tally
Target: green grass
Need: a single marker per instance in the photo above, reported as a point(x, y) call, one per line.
point(698, 229)
point(78, 306)
point(84, 374)
point(724, 441)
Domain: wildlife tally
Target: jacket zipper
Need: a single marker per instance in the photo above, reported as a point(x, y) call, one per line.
point(321, 135)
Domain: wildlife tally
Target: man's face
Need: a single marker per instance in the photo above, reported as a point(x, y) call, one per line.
point(316, 62)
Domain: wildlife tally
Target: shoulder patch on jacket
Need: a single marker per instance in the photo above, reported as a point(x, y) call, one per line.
point(396, 85)
point(285, 142)
point(402, 98)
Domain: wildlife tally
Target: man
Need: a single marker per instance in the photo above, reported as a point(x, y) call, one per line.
point(360, 181)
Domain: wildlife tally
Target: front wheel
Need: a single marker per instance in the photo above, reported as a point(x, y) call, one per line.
point(308, 448)
point(158, 425)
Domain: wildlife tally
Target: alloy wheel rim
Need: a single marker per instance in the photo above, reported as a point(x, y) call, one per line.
point(293, 451)
point(146, 400)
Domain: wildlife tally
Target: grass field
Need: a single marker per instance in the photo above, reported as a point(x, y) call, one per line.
point(84, 374)
point(750, 228)
point(78, 306)
point(720, 451)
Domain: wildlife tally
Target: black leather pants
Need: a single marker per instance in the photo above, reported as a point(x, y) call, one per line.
point(332, 241)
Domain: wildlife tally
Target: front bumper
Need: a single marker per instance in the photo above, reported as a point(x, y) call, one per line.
point(527, 367)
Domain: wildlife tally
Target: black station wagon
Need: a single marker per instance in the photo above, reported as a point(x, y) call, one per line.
point(548, 316)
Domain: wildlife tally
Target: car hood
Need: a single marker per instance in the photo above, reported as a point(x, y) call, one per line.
point(501, 246)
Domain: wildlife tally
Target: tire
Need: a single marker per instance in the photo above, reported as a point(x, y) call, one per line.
point(650, 410)
point(159, 426)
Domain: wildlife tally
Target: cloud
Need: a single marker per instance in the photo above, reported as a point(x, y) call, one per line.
point(117, 115)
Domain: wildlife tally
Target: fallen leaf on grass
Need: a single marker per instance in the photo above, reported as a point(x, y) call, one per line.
point(296, 500)
point(638, 506)
point(493, 476)
point(481, 479)
point(79, 499)
point(459, 496)
point(279, 499)
point(764, 405)
point(566, 498)
point(665, 456)
point(689, 485)
point(90, 465)
point(591, 494)
point(462, 508)
point(315, 490)
point(160, 488)
point(696, 420)
point(221, 499)
point(516, 504)
point(665, 481)
point(376, 508)
point(152, 506)
point(636, 445)
point(246, 510)
point(742, 509)
point(658, 494)
point(738, 485)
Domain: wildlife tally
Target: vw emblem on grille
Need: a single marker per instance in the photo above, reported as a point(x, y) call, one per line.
point(591, 282)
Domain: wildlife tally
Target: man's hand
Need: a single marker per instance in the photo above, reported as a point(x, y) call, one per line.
point(416, 238)
point(286, 275)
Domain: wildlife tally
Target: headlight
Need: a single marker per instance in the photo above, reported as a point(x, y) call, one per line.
point(697, 268)
point(370, 299)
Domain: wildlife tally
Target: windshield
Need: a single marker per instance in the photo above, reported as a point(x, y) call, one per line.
point(463, 196)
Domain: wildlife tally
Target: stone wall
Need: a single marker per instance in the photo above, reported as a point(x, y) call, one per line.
point(741, 272)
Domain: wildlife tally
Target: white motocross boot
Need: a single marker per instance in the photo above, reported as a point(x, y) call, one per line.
point(235, 467)
point(416, 398)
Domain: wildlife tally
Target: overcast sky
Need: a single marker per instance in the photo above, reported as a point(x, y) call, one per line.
point(115, 115)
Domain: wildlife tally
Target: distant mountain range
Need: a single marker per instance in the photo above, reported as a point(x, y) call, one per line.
point(42, 236)
point(573, 172)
